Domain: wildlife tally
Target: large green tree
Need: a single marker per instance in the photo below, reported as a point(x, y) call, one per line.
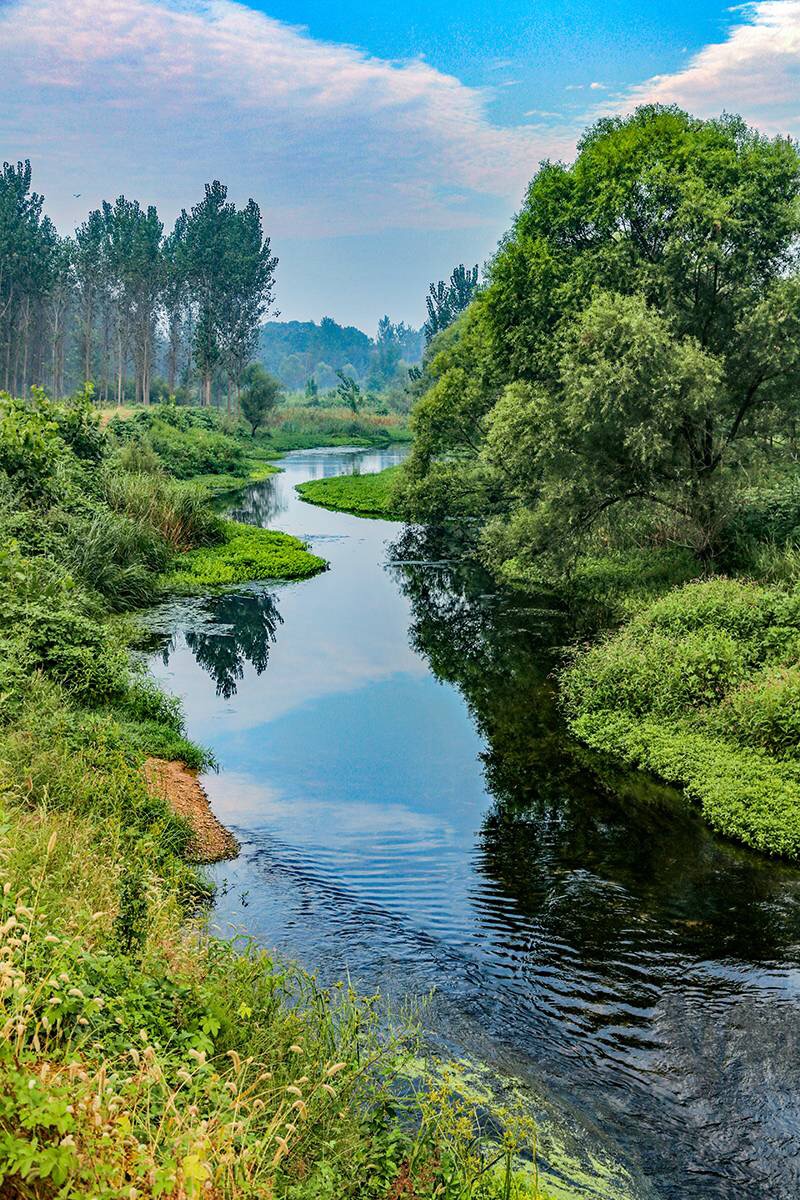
point(638, 336)
point(230, 273)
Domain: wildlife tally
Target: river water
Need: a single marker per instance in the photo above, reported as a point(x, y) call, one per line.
point(411, 813)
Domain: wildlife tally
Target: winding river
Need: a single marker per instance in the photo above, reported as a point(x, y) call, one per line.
point(409, 811)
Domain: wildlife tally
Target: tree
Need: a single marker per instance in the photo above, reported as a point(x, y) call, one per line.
point(259, 396)
point(637, 340)
point(230, 273)
point(312, 391)
point(175, 299)
point(349, 393)
point(89, 279)
point(446, 300)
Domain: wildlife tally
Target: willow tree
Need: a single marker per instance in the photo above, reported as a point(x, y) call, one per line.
point(670, 241)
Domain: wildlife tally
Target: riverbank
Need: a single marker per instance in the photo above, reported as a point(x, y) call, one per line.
point(361, 495)
point(179, 785)
point(137, 1053)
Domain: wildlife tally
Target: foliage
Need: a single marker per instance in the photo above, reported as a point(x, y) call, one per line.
point(260, 396)
point(445, 301)
point(230, 274)
point(636, 343)
point(349, 393)
point(364, 495)
point(246, 553)
point(186, 441)
point(700, 687)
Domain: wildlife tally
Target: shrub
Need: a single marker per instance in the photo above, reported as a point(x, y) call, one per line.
point(178, 511)
point(30, 447)
point(55, 629)
point(702, 688)
point(765, 711)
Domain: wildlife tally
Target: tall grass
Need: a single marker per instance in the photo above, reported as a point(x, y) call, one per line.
point(178, 511)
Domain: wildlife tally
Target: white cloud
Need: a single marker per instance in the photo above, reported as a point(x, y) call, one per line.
point(157, 96)
point(755, 71)
point(597, 87)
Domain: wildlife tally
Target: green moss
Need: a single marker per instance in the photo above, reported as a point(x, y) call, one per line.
point(363, 495)
point(247, 553)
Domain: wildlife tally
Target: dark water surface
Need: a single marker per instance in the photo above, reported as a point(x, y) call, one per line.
point(410, 811)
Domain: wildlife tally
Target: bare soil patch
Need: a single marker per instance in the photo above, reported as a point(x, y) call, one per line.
point(179, 785)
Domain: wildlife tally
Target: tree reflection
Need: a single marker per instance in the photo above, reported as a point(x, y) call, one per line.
point(637, 856)
point(259, 505)
point(242, 630)
point(228, 632)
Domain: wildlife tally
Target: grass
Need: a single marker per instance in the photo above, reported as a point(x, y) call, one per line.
point(363, 495)
point(140, 1057)
point(701, 687)
point(246, 553)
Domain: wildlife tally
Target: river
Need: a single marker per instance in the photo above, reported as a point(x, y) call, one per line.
point(410, 812)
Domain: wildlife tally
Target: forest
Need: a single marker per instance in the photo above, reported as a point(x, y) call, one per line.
point(305, 355)
point(140, 313)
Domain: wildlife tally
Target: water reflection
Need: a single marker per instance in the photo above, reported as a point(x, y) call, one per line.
point(227, 633)
point(411, 810)
point(659, 962)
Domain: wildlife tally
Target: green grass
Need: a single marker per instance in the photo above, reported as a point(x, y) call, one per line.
point(363, 495)
point(256, 471)
point(701, 688)
point(246, 554)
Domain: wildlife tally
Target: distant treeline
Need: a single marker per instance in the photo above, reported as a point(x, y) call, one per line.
point(299, 351)
point(141, 313)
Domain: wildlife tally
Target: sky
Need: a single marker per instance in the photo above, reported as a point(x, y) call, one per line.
point(384, 142)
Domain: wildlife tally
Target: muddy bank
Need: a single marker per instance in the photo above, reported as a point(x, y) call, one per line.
point(179, 785)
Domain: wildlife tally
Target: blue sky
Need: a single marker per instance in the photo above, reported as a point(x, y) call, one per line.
point(384, 142)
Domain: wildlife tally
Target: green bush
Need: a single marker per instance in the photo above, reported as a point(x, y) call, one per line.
point(702, 688)
point(765, 711)
point(186, 441)
point(30, 447)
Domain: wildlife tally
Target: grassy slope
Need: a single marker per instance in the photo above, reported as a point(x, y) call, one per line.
point(363, 495)
point(702, 688)
point(138, 1056)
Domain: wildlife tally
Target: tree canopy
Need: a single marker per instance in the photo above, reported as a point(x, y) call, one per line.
point(638, 337)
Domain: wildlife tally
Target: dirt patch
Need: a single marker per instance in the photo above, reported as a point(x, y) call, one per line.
point(179, 785)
